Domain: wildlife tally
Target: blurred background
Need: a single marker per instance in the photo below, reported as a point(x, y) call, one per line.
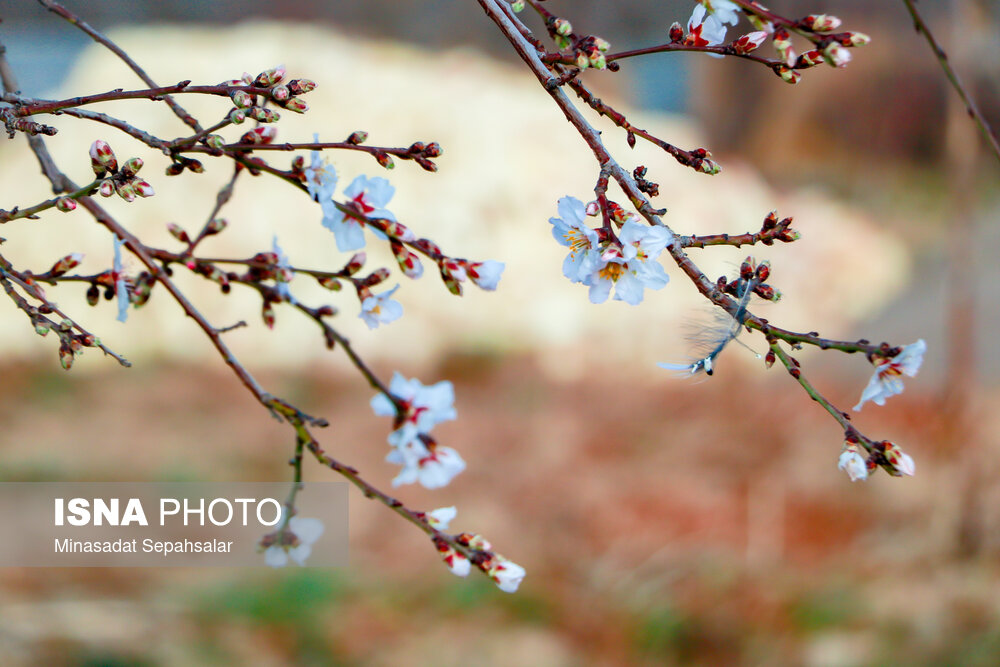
point(660, 521)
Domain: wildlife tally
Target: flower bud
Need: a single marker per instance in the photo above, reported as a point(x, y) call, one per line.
point(355, 263)
point(65, 356)
point(763, 271)
point(767, 293)
point(582, 60)
point(385, 160)
point(474, 541)
point(408, 262)
point(41, 328)
point(787, 74)
point(241, 98)
point(760, 24)
point(676, 33)
point(836, 55)
point(562, 27)
point(821, 22)
point(899, 462)
point(517, 6)
point(280, 93)
point(215, 141)
point(131, 167)
point(357, 138)
point(237, 116)
point(267, 313)
point(602, 45)
point(433, 150)
point(301, 86)
point(749, 42)
point(106, 188)
point(269, 77)
point(296, 105)
point(597, 60)
point(562, 43)
point(857, 39)
point(330, 283)
point(216, 226)
point(377, 276)
point(178, 232)
point(769, 359)
point(125, 191)
point(93, 295)
point(783, 46)
point(66, 204)
point(593, 208)
point(260, 135)
point(710, 167)
point(102, 158)
point(143, 188)
point(809, 59)
point(853, 462)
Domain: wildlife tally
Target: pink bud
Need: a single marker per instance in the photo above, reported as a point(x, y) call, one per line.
point(66, 204)
point(296, 105)
point(787, 74)
point(242, 99)
point(106, 188)
point(102, 158)
point(178, 232)
point(280, 93)
point(131, 167)
point(836, 55)
point(809, 59)
point(858, 39)
point(301, 86)
point(821, 22)
point(749, 42)
point(901, 462)
point(143, 189)
point(125, 191)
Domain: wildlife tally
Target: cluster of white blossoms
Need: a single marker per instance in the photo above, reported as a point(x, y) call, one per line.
point(417, 409)
point(369, 196)
point(294, 543)
point(626, 263)
point(506, 574)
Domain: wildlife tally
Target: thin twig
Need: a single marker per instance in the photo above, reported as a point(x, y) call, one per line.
point(98, 37)
point(921, 27)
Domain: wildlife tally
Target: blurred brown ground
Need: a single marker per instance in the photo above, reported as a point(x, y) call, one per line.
point(660, 522)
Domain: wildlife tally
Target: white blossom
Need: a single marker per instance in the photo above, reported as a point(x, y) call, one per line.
point(886, 380)
point(853, 463)
point(507, 574)
point(571, 230)
point(381, 309)
point(305, 532)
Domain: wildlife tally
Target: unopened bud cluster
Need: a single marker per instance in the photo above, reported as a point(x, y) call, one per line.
point(276, 89)
point(123, 181)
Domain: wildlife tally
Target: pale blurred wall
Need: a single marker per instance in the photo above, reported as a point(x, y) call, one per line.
point(508, 157)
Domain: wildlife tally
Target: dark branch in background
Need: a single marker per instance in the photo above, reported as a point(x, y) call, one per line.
point(98, 37)
point(921, 27)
